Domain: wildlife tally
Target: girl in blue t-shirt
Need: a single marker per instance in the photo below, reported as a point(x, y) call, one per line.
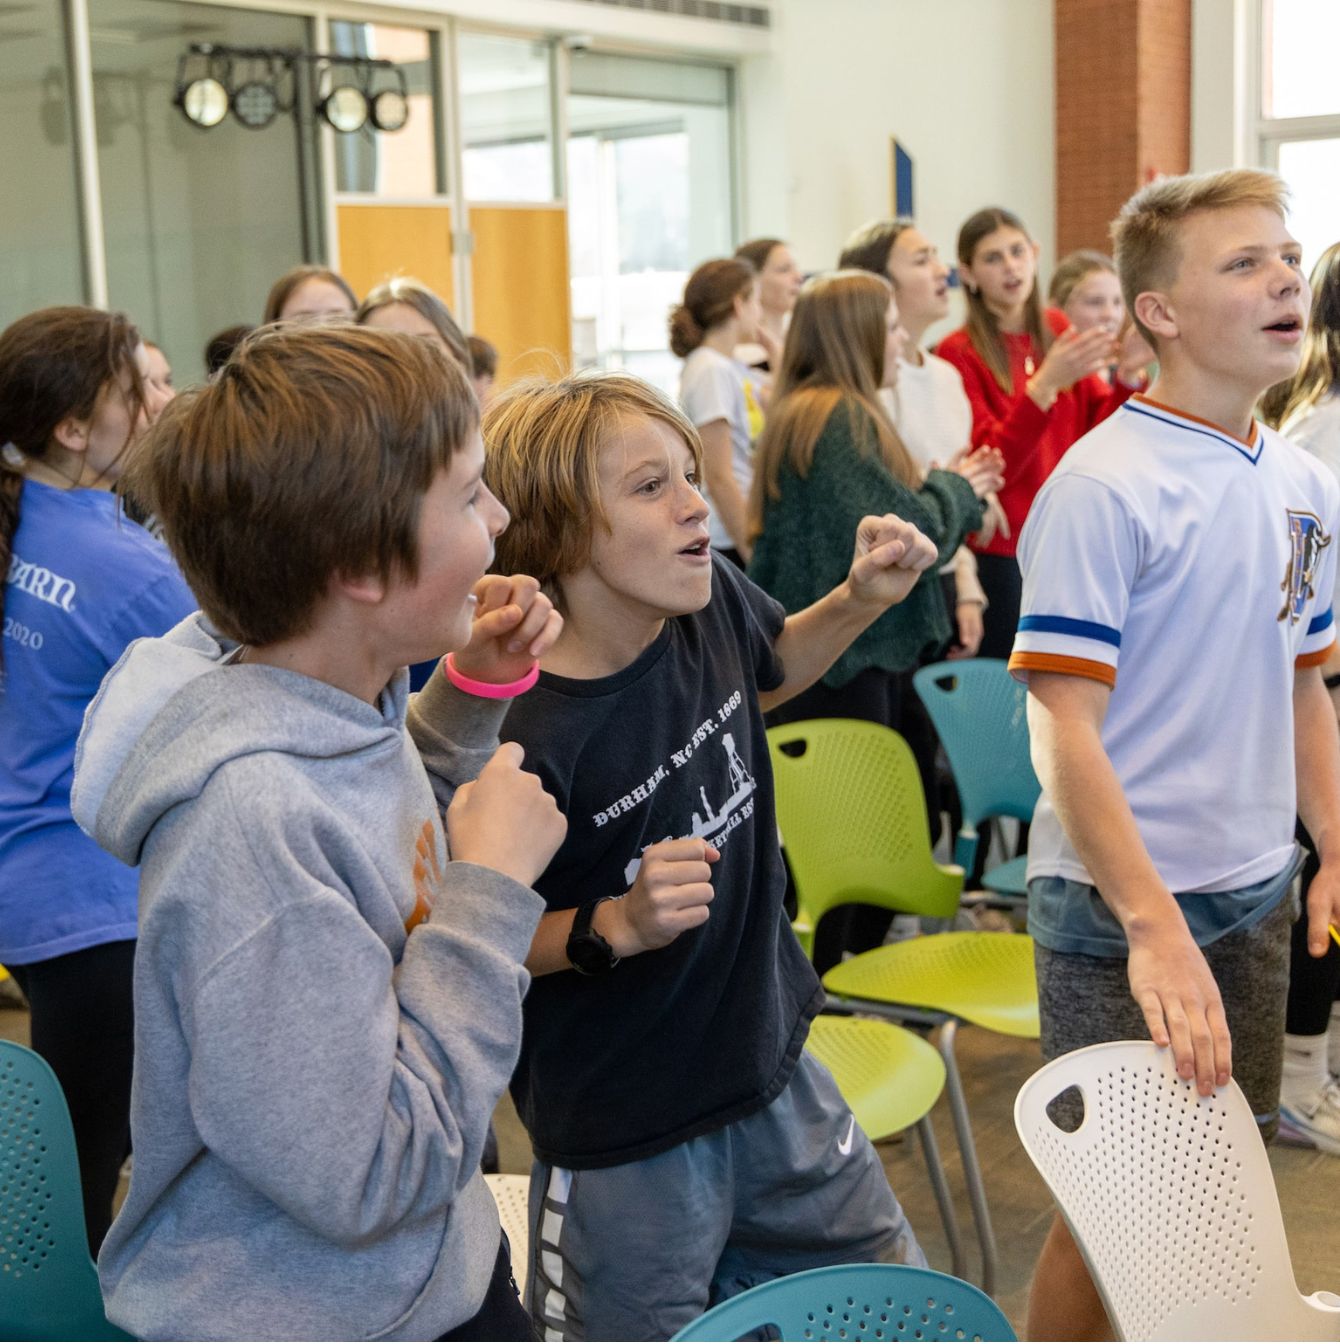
point(82, 582)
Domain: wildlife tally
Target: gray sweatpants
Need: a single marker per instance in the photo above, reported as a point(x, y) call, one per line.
point(639, 1250)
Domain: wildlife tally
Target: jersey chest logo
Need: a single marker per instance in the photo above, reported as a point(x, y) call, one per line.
point(1307, 540)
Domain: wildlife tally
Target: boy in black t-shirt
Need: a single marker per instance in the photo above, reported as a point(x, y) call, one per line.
point(685, 1145)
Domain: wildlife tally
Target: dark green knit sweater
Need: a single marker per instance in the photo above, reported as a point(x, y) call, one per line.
point(809, 535)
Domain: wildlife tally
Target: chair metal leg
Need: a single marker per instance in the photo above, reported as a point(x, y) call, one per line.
point(935, 1169)
point(972, 1173)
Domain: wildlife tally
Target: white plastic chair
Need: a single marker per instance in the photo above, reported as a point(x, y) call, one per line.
point(512, 1196)
point(1170, 1199)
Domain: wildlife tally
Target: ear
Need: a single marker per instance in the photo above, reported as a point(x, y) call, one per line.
point(966, 278)
point(72, 434)
point(1154, 309)
point(365, 589)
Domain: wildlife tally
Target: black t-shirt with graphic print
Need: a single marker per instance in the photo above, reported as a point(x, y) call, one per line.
point(687, 1038)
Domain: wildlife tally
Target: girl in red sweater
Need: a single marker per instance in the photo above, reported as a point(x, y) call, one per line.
point(1034, 387)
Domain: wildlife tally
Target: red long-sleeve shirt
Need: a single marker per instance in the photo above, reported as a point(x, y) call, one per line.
point(1032, 440)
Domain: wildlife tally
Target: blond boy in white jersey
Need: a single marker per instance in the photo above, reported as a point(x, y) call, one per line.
point(1177, 570)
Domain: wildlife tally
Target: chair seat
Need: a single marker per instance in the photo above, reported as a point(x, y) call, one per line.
point(512, 1196)
point(889, 1076)
point(1010, 879)
point(983, 978)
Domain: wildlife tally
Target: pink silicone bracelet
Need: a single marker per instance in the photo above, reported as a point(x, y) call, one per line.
point(490, 690)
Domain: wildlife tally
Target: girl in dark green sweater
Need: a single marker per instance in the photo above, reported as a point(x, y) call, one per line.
point(828, 456)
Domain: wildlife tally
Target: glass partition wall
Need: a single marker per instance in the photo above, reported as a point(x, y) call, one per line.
point(556, 197)
point(198, 223)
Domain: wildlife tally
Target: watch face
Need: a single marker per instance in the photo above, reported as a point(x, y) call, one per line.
point(345, 108)
point(591, 954)
point(205, 102)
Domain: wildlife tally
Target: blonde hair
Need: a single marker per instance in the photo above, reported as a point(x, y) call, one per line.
point(1072, 270)
point(982, 325)
point(834, 356)
point(415, 294)
point(1146, 233)
point(1319, 371)
point(542, 459)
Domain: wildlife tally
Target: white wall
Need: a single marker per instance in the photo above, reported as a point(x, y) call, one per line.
point(966, 85)
point(1223, 81)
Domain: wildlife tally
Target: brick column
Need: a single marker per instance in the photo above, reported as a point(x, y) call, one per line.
point(1123, 108)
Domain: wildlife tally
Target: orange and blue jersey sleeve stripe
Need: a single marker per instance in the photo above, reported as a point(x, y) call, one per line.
point(1079, 648)
point(1318, 641)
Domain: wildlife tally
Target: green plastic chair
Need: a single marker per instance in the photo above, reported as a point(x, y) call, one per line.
point(48, 1285)
point(853, 819)
point(978, 710)
point(891, 1078)
point(856, 1302)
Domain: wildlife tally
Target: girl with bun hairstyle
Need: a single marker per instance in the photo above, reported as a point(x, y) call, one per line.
point(1034, 385)
point(719, 394)
point(83, 582)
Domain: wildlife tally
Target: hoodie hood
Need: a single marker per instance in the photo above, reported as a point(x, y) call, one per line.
point(173, 710)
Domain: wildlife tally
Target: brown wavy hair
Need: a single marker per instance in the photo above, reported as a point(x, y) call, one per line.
point(833, 357)
point(983, 328)
point(54, 364)
point(709, 299)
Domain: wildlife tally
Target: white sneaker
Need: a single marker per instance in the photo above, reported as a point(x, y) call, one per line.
point(1314, 1123)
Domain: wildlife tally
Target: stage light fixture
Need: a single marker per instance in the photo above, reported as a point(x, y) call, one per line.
point(204, 101)
point(390, 110)
point(345, 108)
point(256, 103)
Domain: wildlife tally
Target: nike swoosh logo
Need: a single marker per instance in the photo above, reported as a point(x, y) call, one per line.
point(844, 1145)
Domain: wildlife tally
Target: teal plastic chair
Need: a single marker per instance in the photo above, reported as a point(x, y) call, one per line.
point(853, 819)
point(857, 1302)
point(891, 1078)
point(978, 710)
point(48, 1285)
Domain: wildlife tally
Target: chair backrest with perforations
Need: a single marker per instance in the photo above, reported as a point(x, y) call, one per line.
point(853, 820)
point(1170, 1198)
point(857, 1302)
point(979, 713)
point(48, 1286)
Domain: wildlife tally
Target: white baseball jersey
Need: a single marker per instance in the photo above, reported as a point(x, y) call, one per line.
point(1191, 572)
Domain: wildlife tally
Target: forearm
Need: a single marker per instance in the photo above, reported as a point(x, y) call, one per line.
point(1317, 761)
point(549, 948)
point(1074, 769)
point(814, 639)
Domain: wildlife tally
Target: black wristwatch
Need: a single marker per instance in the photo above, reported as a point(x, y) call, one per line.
point(588, 952)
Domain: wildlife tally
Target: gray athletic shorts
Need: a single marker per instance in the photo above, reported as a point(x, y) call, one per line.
point(1083, 1000)
point(639, 1250)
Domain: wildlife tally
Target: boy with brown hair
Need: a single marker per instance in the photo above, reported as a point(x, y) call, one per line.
point(1177, 572)
point(327, 985)
point(685, 1146)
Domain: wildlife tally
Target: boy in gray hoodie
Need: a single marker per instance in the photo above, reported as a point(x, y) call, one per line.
point(328, 982)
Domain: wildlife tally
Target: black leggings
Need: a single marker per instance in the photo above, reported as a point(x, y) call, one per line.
point(83, 1026)
point(1003, 585)
point(1314, 982)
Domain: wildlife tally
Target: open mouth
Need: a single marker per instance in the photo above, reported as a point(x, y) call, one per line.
point(1286, 324)
point(699, 548)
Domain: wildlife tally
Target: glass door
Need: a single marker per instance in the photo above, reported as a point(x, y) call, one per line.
point(650, 196)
